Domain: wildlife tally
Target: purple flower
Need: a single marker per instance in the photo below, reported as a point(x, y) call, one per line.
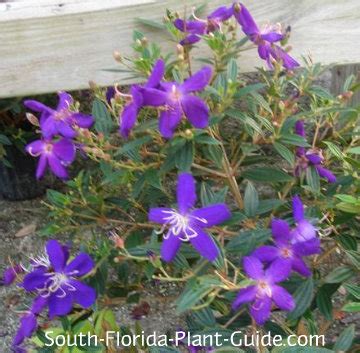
point(304, 231)
point(285, 251)
point(28, 324)
point(60, 120)
point(187, 224)
point(179, 101)
point(10, 274)
point(55, 280)
point(264, 39)
point(198, 27)
point(312, 156)
point(153, 97)
point(57, 154)
point(265, 291)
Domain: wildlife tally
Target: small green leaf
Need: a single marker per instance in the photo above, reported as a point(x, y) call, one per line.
point(313, 179)
point(353, 307)
point(345, 339)
point(285, 153)
point(303, 297)
point(103, 121)
point(268, 175)
point(185, 156)
point(251, 200)
point(339, 275)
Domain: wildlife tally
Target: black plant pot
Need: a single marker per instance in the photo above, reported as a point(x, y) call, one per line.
point(19, 182)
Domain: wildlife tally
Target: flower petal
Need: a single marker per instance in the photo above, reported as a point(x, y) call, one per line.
point(153, 97)
point(156, 75)
point(264, 51)
point(298, 208)
point(205, 245)
point(170, 247)
point(80, 266)
point(65, 100)
point(278, 271)
point(38, 304)
point(280, 230)
point(60, 304)
point(169, 120)
point(266, 253)
point(84, 121)
point(196, 110)
point(158, 214)
point(300, 267)
point(56, 255)
point(260, 309)
point(221, 14)
point(35, 280)
point(41, 166)
point(28, 325)
point(198, 81)
point(48, 127)
point(196, 27)
point(84, 295)
point(326, 174)
point(280, 54)
point(190, 39)
point(65, 129)
point(211, 215)
point(57, 167)
point(65, 150)
point(304, 231)
point(185, 192)
point(282, 298)
point(128, 118)
point(245, 19)
point(245, 295)
point(272, 37)
point(253, 267)
point(35, 148)
point(10, 274)
point(313, 157)
point(300, 128)
point(37, 106)
point(307, 248)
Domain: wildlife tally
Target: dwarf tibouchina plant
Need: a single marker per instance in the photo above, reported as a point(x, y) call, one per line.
point(266, 290)
point(190, 121)
point(187, 224)
point(311, 157)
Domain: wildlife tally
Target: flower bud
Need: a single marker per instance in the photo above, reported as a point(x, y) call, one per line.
point(92, 85)
point(117, 56)
point(189, 133)
point(144, 41)
point(32, 119)
point(237, 7)
point(281, 106)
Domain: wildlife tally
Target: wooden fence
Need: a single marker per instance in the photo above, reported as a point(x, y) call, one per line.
point(50, 45)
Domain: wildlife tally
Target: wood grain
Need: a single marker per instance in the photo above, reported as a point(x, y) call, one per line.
point(48, 45)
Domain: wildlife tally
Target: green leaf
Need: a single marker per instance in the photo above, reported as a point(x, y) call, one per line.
point(323, 299)
point(313, 179)
point(103, 121)
point(133, 145)
point(208, 196)
point(268, 175)
point(299, 349)
point(247, 241)
point(354, 257)
point(293, 139)
point(191, 295)
point(232, 70)
point(353, 307)
point(303, 297)
point(340, 274)
point(354, 150)
point(345, 339)
point(251, 200)
point(353, 289)
point(249, 89)
point(185, 156)
point(285, 153)
point(215, 154)
point(150, 23)
point(4, 140)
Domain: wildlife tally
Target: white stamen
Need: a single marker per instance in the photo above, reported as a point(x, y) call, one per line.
point(57, 282)
point(180, 225)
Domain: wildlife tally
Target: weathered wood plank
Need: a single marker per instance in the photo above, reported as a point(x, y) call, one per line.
point(52, 47)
